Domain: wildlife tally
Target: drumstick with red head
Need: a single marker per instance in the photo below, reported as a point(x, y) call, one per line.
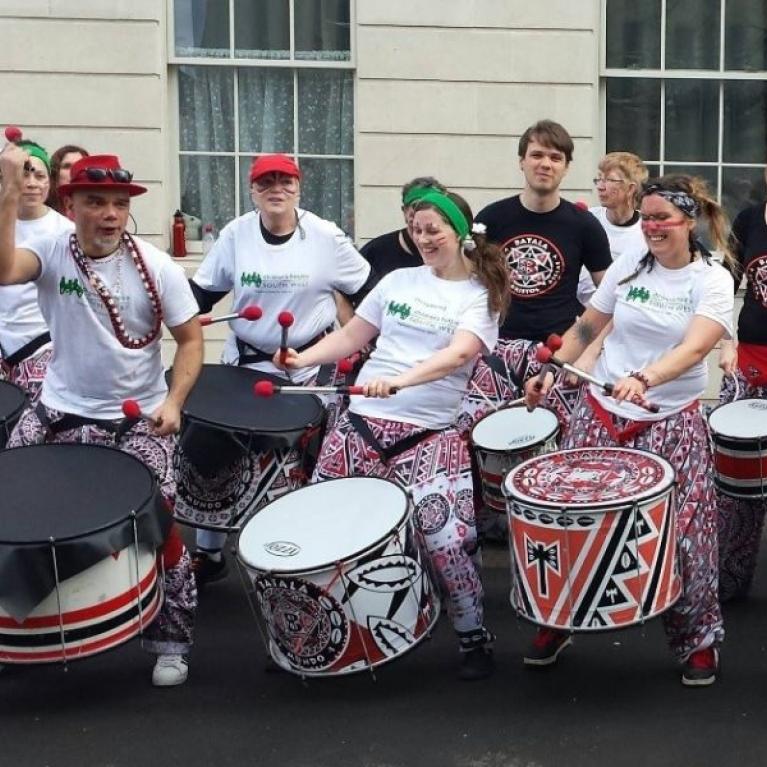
point(132, 411)
point(13, 134)
point(286, 320)
point(249, 313)
point(544, 355)
point(269, 389)
point(554, 344)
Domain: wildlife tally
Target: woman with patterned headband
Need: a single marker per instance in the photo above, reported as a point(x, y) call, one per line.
point(431, 322)
point(670, 306)
point(745, 364)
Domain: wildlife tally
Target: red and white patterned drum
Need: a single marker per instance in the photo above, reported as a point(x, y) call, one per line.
point(338, 576)
point(593, 539)
point(739, 433)
point(502, 440)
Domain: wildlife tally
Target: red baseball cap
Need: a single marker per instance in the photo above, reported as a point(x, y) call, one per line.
point(273, 163)
point(100, 171)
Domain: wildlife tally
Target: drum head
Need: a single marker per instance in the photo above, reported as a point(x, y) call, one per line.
point(589, 477)
point(744, 419)
point(316, 526)
point(12, 401)
point(515, 429)
point(223, 397)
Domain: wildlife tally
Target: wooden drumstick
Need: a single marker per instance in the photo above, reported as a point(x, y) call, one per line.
point(268, 389)
point(544, 354)
point(286, 320)
point(249, 313)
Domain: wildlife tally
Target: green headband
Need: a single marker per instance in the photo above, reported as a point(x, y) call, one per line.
point(453, 213)
point(415, 194)
point(35, 150)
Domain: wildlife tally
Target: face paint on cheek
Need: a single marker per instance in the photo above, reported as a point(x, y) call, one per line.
point(660, 227)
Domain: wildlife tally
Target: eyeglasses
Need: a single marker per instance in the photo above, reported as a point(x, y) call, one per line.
point(598, 181)
point(120, 175)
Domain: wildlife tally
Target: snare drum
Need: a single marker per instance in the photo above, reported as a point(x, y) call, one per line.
point(237, 451)
point(593, 538)
point(739, 433)
point(504, 439)
point(13, 400)
point(78, 532)
point(338, 577)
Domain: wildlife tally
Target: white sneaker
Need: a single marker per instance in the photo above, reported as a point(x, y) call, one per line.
point(170, 670)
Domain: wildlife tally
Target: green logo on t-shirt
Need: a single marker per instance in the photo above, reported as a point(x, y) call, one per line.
point(638, 294)
point(253, 279)
point(71, 287)
point(403, 310)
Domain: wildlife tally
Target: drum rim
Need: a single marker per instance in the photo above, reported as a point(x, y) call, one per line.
point(727, 437)
point(401, 522)
point(256, 375)
point(594, 506)
point(114, 523)
point(18, 409)
point(511, 450)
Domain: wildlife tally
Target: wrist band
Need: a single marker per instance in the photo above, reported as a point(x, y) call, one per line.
point(641, 377)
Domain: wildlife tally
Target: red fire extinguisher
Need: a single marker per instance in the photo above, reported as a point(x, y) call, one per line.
point(179, 235)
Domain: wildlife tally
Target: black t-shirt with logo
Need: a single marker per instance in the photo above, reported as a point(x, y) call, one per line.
point(385, 253)
point(545, 253)
point(749, 243)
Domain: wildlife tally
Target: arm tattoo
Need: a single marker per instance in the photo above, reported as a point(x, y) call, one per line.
point(585, 332)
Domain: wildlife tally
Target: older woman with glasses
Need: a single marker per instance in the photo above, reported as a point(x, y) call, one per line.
point(285, 260)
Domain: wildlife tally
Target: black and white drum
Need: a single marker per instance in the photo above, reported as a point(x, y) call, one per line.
point(338, 577)
point(78, 533)
point(13, 400)
point(502, 440)
point(238, 451)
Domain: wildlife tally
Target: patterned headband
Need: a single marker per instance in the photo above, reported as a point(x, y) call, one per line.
point(687, 204)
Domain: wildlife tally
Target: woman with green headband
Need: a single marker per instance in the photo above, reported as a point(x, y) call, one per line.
point(24, 338)
point(430, 323)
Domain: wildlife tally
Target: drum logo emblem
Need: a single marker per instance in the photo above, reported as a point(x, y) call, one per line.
point(282, 548)
point(543, 558)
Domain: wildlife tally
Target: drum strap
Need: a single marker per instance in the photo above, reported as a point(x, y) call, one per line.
point(396, 448)
point(68, 421)
point(250, 355)
point(28, 349)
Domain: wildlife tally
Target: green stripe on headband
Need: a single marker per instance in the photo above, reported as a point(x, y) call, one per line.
point(35, 150)
point(415, 194)
point(453, 213)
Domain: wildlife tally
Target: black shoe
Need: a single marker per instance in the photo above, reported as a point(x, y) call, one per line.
point(476, 664)
point(546, 646)
point(207, 570)
point(701, 668)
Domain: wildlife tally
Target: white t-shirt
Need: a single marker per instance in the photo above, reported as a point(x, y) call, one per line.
point(651, 315)
point(20, 318)
point(417, 315)
point(91, 372)
point(298, 276)
point(623, 239)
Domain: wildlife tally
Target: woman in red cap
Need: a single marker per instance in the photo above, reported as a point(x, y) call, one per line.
point(283, 259)
point(105, 296)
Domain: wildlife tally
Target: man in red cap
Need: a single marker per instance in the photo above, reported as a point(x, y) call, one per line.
point(105, 296)
point(284, 259)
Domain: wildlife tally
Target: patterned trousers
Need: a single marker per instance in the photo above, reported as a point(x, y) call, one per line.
point(437, 472)
point(173, 629)
point(741, 520)
point(29, 373)
point(695, 621)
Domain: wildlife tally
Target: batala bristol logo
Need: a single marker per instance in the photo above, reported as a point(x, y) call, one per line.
point(403, 310)
point(253, 280)
point(638, 294)
point(71, 287)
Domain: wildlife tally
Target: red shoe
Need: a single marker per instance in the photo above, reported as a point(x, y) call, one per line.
point(546, 646)
point(701, 667)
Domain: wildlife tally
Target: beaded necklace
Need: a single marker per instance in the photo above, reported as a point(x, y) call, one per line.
point(129, 342)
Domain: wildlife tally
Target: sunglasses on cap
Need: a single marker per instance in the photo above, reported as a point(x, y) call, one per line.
point(120, 175)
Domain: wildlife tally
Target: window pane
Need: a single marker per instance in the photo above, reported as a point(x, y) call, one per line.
point(246, 203)
point(745, 121)
point(325, 112)
point(692, 111)
point(653, 169)
point(745, 35)
point(742, 187)
point(206, 109)
point(692, 34)
point(262, 29)
point(633, 116)
point(633, 34)
point(207, 189)
point(322, 29)
point(327, 189)
point(201, 28)
point(265, 110)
